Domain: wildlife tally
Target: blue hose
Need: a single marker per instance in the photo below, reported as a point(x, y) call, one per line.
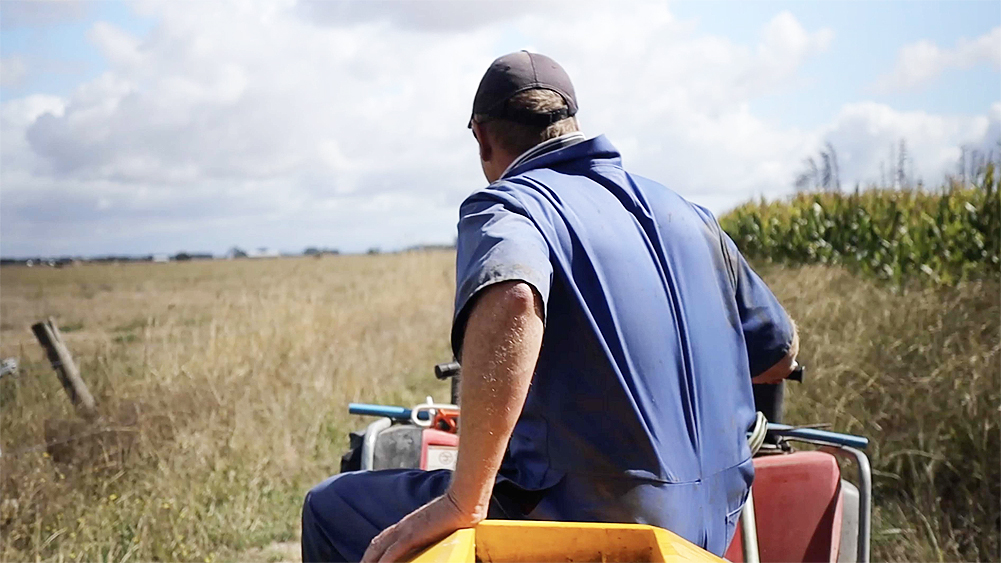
point(394, 413)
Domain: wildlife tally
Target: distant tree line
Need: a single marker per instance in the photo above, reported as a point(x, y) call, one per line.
point(234, 252)
point(316, 251)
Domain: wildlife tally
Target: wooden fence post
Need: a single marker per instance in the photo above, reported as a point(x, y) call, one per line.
point(48, 336)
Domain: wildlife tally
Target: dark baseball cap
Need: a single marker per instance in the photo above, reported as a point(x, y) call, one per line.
point(515, 73)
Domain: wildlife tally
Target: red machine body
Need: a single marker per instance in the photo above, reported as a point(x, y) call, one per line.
point(438, 449)
point(798, 507)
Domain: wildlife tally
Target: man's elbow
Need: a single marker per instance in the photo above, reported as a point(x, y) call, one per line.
point(794, 347)
point(784, 367)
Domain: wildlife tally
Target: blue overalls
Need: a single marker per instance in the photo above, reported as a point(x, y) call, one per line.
point(641, 396)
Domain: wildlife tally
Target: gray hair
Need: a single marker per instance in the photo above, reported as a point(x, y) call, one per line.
point(517, 137)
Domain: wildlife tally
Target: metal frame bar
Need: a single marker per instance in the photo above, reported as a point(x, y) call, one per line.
point(368, 443)
point(865, 496)
point(749, 530)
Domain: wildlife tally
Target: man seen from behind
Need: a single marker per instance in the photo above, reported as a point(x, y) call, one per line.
point(609, 332)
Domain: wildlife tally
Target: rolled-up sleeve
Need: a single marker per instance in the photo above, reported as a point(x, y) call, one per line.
point(496, 242)
point(768, 330)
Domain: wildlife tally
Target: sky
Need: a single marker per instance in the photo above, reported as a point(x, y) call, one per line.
point(158, 127)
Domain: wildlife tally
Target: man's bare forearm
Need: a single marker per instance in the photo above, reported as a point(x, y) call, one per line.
point(500, 349)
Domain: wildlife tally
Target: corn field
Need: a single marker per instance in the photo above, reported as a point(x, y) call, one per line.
point(943, 236)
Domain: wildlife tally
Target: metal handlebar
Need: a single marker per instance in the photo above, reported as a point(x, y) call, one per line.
point(814, 435)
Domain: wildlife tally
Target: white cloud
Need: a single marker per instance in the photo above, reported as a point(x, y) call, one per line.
point(922, 62)
point(17, 161)
point(287, 125)
point(865, 133)
point(121, 48)
point(436, 16)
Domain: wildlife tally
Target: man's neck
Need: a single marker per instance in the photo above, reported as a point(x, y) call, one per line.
point(542, 148)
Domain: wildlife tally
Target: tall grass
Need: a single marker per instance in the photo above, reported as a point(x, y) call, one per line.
point(224, 386)
point(241, 372)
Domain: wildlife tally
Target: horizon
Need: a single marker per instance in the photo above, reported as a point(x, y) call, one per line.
point(949, 181)
point(192, 255)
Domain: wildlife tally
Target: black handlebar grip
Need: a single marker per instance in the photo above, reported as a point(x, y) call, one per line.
point(446, 370)
point(797, 374)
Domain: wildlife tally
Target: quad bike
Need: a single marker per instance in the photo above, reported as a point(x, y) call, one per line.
point(799, 509)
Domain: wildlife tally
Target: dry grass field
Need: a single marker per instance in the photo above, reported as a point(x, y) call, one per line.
point(223, 389)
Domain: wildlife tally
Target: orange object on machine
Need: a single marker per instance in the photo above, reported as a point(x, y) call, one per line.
point(446, 420)
point(797, 505)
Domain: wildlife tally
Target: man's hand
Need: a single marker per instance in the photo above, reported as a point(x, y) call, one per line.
point(422, 527)
point(777, 373)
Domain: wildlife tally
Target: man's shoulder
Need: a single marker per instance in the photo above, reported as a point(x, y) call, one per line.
point(499, 191)
point(510, 191)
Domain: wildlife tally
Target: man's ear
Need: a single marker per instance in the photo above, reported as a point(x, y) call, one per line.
point(486, 147)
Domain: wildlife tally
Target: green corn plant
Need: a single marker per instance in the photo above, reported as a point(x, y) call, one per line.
point(942, 237)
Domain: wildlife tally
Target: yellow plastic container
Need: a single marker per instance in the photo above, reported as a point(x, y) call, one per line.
point(521, 541)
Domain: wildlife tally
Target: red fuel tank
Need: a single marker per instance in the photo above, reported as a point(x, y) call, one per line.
point(797, 505)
